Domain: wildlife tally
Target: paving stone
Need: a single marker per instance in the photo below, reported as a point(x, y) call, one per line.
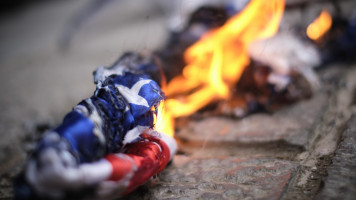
point(341, 180)
point(220, 178)
point(291, 123)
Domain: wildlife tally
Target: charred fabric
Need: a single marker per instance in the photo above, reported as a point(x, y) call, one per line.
point(114, 130)
point(264, 85)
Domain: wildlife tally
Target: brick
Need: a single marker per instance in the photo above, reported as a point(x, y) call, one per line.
point(220, 178)
point(291, 123)
point(341, 180)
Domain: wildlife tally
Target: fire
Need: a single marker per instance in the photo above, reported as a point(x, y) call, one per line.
point(319, 26)
point(215, 62)
point(164, 122)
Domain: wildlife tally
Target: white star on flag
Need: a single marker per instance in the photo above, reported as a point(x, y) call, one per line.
point(131, 94)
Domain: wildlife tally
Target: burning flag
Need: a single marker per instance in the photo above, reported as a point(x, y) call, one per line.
point(215, 63)
point(106, 146)
point(115, 140)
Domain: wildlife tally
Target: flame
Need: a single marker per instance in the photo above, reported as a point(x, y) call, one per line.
point(215, 62)
point(164, 122)
point(319, 26)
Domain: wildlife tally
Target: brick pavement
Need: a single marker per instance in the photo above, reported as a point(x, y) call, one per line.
point(294, 153)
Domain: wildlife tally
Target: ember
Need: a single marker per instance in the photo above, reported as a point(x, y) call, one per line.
point(319, 26)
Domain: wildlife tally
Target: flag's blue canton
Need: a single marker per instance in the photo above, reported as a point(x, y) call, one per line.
point(148, 90)
point(121, 103)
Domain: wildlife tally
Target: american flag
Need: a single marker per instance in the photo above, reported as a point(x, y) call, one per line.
point(101, 145)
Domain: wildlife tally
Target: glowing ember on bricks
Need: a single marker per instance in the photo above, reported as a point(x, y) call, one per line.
point(334, 36)
point(319, 26)
point(105, 147)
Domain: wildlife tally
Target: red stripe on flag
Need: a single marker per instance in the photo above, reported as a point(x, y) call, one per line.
point(121, 166)
point(150, 154)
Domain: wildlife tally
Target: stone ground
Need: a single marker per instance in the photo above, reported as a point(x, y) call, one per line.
point(303, 151)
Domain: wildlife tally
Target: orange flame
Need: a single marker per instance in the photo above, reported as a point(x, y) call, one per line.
point(319, 26)
point(164, 122)
point(216, 62)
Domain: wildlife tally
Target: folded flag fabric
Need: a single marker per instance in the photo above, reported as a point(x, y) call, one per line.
point(106, 146)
